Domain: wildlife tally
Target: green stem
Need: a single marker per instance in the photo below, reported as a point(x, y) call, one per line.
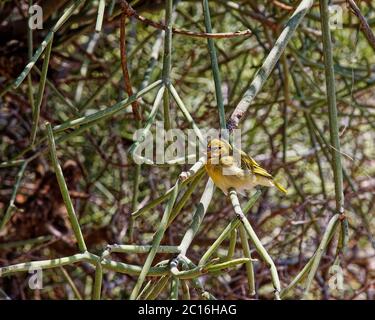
point(255, 240)
point(39, 97)
point(156, 242)
point(120, 267)
point(192, 173)
point(167, 59)
point(249, 265)
point(321, 249)
point(68, 12)
point(157, 288)
point(332, 111)
point(12, 208)
point(30, 47)
point(186, 113)
point(166, 111)
point(45, 264)
point(228, 229)
point(214, 65)
point(106, 113)
point(175, 284)
point(127, 248)
point(97, 290)
point(197, 217)
point(71, 283)
point(64, 191)
point(181, 203)
point(149, 121)
point(232, 244)
point(269, 63)
point(137, 178)
point(284, 62)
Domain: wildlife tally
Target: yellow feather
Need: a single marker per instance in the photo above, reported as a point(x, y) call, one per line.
point(227, 173)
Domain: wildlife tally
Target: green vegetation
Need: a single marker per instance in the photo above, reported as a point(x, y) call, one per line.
point(74, 203)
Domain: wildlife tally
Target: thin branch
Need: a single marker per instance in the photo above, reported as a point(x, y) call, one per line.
point(333, 119)
point(132, 13)
point(124, 63)
point(364, 24)
point(12, 207)
point(64, 191)
point(214, 65)
point(269, 63)
point(39, 98)
point(256, 242)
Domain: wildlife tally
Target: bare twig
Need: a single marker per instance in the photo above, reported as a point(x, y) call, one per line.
point(364, 24)
point(132, 13)
point(124, 62)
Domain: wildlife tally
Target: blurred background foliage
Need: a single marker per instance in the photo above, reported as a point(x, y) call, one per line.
point(85, 75)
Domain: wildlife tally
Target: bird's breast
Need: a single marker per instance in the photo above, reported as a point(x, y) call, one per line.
point(230, 177)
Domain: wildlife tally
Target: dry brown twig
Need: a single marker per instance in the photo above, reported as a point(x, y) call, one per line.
point(363, 22)
point(130, 12)
point(124, 61)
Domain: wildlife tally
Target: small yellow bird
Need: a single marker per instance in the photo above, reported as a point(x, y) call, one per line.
point(228, 173)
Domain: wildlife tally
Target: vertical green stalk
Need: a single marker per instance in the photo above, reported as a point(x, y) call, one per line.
point(224, 234)
point(64, 191)
point(185, 197)
point(167, 61)
point(137, 176)
point(214, 65)
point(156, 242)
point(314, 146)
point(249, 264)
point(332, 112)
point(232, 244)
point(186, 113)
point(175, 284)
point(30, 47)
point(319, 252)
point(150, 119)
point(228, 229)
point(255, 240)
point(197, 217)
point(299, 277)
point(12, 207)
point(97, 290)
point(332, 107)
point(39, 97)
point(167, 58)
point(166, 112)
point(286, 103)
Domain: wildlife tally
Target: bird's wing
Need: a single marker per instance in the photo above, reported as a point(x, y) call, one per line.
point(249, 163)
point(227, 161)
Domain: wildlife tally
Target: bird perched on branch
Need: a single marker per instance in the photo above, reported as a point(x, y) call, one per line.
point(241, 174)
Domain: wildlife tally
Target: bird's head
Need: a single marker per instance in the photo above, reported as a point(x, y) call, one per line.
point(217, 148)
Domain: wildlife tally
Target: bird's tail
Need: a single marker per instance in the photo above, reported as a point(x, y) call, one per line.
point(280, 187)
